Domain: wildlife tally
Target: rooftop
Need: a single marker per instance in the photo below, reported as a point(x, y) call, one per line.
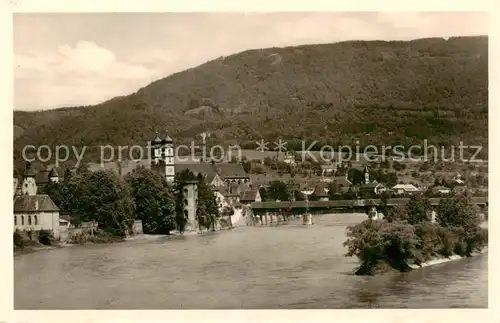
point(34, 203)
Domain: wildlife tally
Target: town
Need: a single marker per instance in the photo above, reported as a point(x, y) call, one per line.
point(241, 192)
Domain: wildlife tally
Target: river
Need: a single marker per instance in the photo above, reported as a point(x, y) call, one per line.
point(290, 266)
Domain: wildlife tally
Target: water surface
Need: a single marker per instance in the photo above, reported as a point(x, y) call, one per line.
point(290, 266)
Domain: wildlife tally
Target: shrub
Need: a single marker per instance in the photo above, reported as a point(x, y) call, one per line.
point(379, 243)
point(45, 237)
point(18, 240)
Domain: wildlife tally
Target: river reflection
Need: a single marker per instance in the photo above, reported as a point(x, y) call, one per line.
point(290, 266)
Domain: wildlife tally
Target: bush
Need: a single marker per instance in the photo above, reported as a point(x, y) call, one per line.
point(45, 237)
point(396, 242)
point(18, 240)
point(380, 244)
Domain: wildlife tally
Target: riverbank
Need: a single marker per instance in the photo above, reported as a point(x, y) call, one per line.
point(438, 261)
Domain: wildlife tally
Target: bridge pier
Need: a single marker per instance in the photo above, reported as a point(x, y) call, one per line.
point(433, 216)
point(372, 213)
point(307, 218)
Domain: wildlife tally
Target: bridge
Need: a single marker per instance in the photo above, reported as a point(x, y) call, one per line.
point(275, 212)
point(344, 204)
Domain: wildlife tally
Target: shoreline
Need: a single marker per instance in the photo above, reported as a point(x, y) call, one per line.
point(438, 261)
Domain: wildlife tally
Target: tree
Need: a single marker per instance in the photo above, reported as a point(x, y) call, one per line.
point(396, 213)
point(154, 200)
point(247, 166)
point(264, 194)
point(67, 174)
point(278, 191)
point(333, 189)
point(418, 209)
point(377, 242)
point(207, 211)
point(100, 196)
point(356, 176)
point(457, 211)
point(55, 190)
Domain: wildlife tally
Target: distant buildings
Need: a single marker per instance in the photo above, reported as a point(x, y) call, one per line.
point(229, 181)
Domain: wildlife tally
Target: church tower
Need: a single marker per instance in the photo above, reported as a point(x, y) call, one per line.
point(29, 184)
point(163, 157)
point(367, 175)
point(169, 157)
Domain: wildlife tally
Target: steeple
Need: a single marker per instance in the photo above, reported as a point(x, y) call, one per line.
point(29, 184)
point(168, 140)
point(157, 139)
point(53, 175)
point(28, 171)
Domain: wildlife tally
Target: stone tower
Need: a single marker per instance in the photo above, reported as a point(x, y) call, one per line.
point(162, 156)
point(190, 201)
point(29, 184)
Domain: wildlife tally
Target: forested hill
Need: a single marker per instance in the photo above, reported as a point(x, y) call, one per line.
point(375, 91)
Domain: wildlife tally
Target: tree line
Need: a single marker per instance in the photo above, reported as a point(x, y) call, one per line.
point(114, 203)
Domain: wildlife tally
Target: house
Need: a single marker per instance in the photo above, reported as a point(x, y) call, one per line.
point(458, 179)
point(32, 211)
point(287, 157)
point(229, 172)
point(441, 190)
point(205, 169)
point(342, 183)
point(293, 185)
point(320, 193)
point(405, 189)
point(220, 197)
point(250, 196)
point(373, 187)
point(329, 169)
point(308, 187)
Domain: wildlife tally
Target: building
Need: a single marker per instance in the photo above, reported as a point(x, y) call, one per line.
point(327, 170)
point(190, 200)
point(34, 212)
point(308, 187)
point(249, 196)
point(441, 190)
point(289, 158)
point(373, 187)
point(370, 187)
point(162, 156)
point(458, 179)
point(320, 193)
point(48, 175)
point(405, 189)
point(217, 174)
point(229, 172)
point(342, 183)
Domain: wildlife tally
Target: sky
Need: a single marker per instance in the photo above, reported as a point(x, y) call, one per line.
point(64, 59)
